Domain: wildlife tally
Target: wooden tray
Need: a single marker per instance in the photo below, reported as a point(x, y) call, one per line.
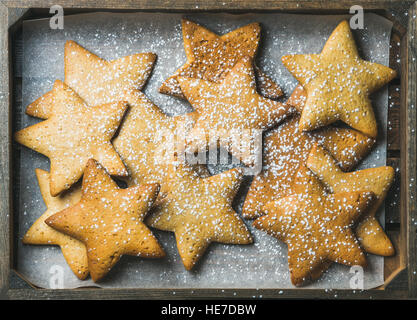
point(401, 214)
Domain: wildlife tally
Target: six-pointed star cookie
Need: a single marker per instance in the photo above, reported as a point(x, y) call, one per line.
point(73, 134)
point(338, 83)
point(378, 180)
point(199, 211)
point(316, 229)
point(108, 220)
point(286, 149)
point(210, 57)
point(40, 233)
point(148, 139)
point(96, 80)
point(231, 108)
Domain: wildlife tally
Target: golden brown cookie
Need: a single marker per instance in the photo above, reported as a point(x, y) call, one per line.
point(306, 182)
point(40, 233)
point(232, 106)
point(298, 98)
point(108, 220)
point(286, 149)
point(96, 80)
point(210, 57)
point(146, 140)
point(338, 83)
point(316, 229)
point(378, 180)
point(355, 144)
point(73, 134)
point(199, 211)
point(346, 145)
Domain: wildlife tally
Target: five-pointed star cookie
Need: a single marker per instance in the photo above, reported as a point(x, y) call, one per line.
point(108, 220)
point(349, 147)
point(232, 107)
point(40, 233)
point(73, 134)
point(286, 149)
point(210, 57)
point(378, 180)
point(96, 80)
point(148, 139)
point(199, 211)
point(338, 83)
point(316, 229)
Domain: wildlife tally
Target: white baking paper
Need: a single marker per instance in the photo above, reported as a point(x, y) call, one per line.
point(113, 35)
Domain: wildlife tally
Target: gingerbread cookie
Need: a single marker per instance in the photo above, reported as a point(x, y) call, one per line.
point(316, 230)
point(96, 80)
point(232, 106)
point(74, 133)
point(199, 211)
point(338, 83)
point(298, 98)
point(286, 149)
point(40, 233)
point(210, 57)
point(355, 144)
point(378, 180)
point(108, 220)
point(147, 139)
point(306, 182)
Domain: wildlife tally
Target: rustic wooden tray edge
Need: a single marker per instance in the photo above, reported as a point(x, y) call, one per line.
point(11, 11)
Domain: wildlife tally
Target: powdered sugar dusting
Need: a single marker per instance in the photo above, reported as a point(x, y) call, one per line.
point(110, 36)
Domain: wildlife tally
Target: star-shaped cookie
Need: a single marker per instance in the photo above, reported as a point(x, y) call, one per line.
point(230, 107)
point(108, 220)
point(40, 233)
point(210, 57)
point(316, 230)
point(349, 147)
point(73, 134)
point(298, 98)
point(378, 180)
point(96, 80)
point(338, 83)
point(286, 149)
point(306, 182)
point(147, 139)
point(199, 211)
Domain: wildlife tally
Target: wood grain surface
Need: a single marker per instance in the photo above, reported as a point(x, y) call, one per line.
point(409, 150)
point(4, 153)
point(207, 5)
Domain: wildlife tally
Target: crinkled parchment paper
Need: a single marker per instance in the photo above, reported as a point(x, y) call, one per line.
point(111, 35)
